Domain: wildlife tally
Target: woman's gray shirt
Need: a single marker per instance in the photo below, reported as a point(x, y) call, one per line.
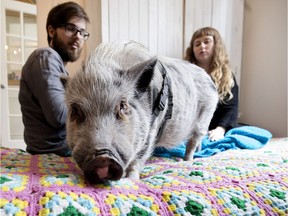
point(41, 97)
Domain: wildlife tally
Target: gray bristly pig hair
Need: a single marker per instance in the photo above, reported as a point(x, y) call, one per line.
point(125, 101)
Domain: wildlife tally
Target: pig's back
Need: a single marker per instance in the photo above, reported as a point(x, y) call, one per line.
point(192, 89)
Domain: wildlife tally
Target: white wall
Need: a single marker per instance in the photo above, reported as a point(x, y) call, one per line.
point(93, 9)
point(165, 27)
point(263, 94)
point(157, 24)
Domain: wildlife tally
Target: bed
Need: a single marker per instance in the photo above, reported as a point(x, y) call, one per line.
point(232, 182)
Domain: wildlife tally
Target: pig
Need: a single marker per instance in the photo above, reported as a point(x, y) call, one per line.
point(124, 101)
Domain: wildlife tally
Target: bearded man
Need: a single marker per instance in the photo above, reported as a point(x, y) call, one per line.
point(41, 93)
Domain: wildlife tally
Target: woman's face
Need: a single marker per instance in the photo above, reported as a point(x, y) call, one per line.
point(203, 48)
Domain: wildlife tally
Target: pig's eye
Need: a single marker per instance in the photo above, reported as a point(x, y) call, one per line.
point(77, 114)
point(122, 109)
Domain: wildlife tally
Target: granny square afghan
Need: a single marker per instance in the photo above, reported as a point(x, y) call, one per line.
point(233, 182)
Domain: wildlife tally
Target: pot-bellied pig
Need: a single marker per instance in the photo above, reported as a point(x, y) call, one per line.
point(124, 102)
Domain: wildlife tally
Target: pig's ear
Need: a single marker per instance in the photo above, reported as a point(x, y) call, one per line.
point(143, 73)
point(64, 79)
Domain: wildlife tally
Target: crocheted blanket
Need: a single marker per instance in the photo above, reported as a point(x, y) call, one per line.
point(233, 182)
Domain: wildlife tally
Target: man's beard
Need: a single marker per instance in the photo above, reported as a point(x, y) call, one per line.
point(63, 51)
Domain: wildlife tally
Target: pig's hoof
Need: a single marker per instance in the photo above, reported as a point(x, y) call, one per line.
point(188, 158)
point(133, 175)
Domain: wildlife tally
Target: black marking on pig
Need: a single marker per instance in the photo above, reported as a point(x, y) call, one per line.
point(117, 83)
point(105, 151)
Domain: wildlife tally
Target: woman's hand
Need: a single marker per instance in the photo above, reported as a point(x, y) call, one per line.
point(217, 133)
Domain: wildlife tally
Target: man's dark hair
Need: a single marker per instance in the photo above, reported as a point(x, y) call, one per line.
point(62, 13)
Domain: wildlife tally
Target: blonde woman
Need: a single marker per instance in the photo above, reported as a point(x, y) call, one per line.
point(207, 50)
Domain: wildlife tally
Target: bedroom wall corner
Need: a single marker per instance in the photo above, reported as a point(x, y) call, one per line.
point(263, 92)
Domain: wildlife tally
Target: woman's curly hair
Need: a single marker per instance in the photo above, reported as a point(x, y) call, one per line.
point(220, 72)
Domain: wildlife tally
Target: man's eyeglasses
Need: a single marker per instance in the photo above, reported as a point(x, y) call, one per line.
point(72, 30)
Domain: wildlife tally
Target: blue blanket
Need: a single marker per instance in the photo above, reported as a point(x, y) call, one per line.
point(245, 137)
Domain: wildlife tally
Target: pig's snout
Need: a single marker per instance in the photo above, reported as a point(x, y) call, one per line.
point(107, 168)
point(104, 167)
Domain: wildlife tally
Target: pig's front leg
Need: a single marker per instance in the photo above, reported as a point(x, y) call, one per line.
point(193, 144)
